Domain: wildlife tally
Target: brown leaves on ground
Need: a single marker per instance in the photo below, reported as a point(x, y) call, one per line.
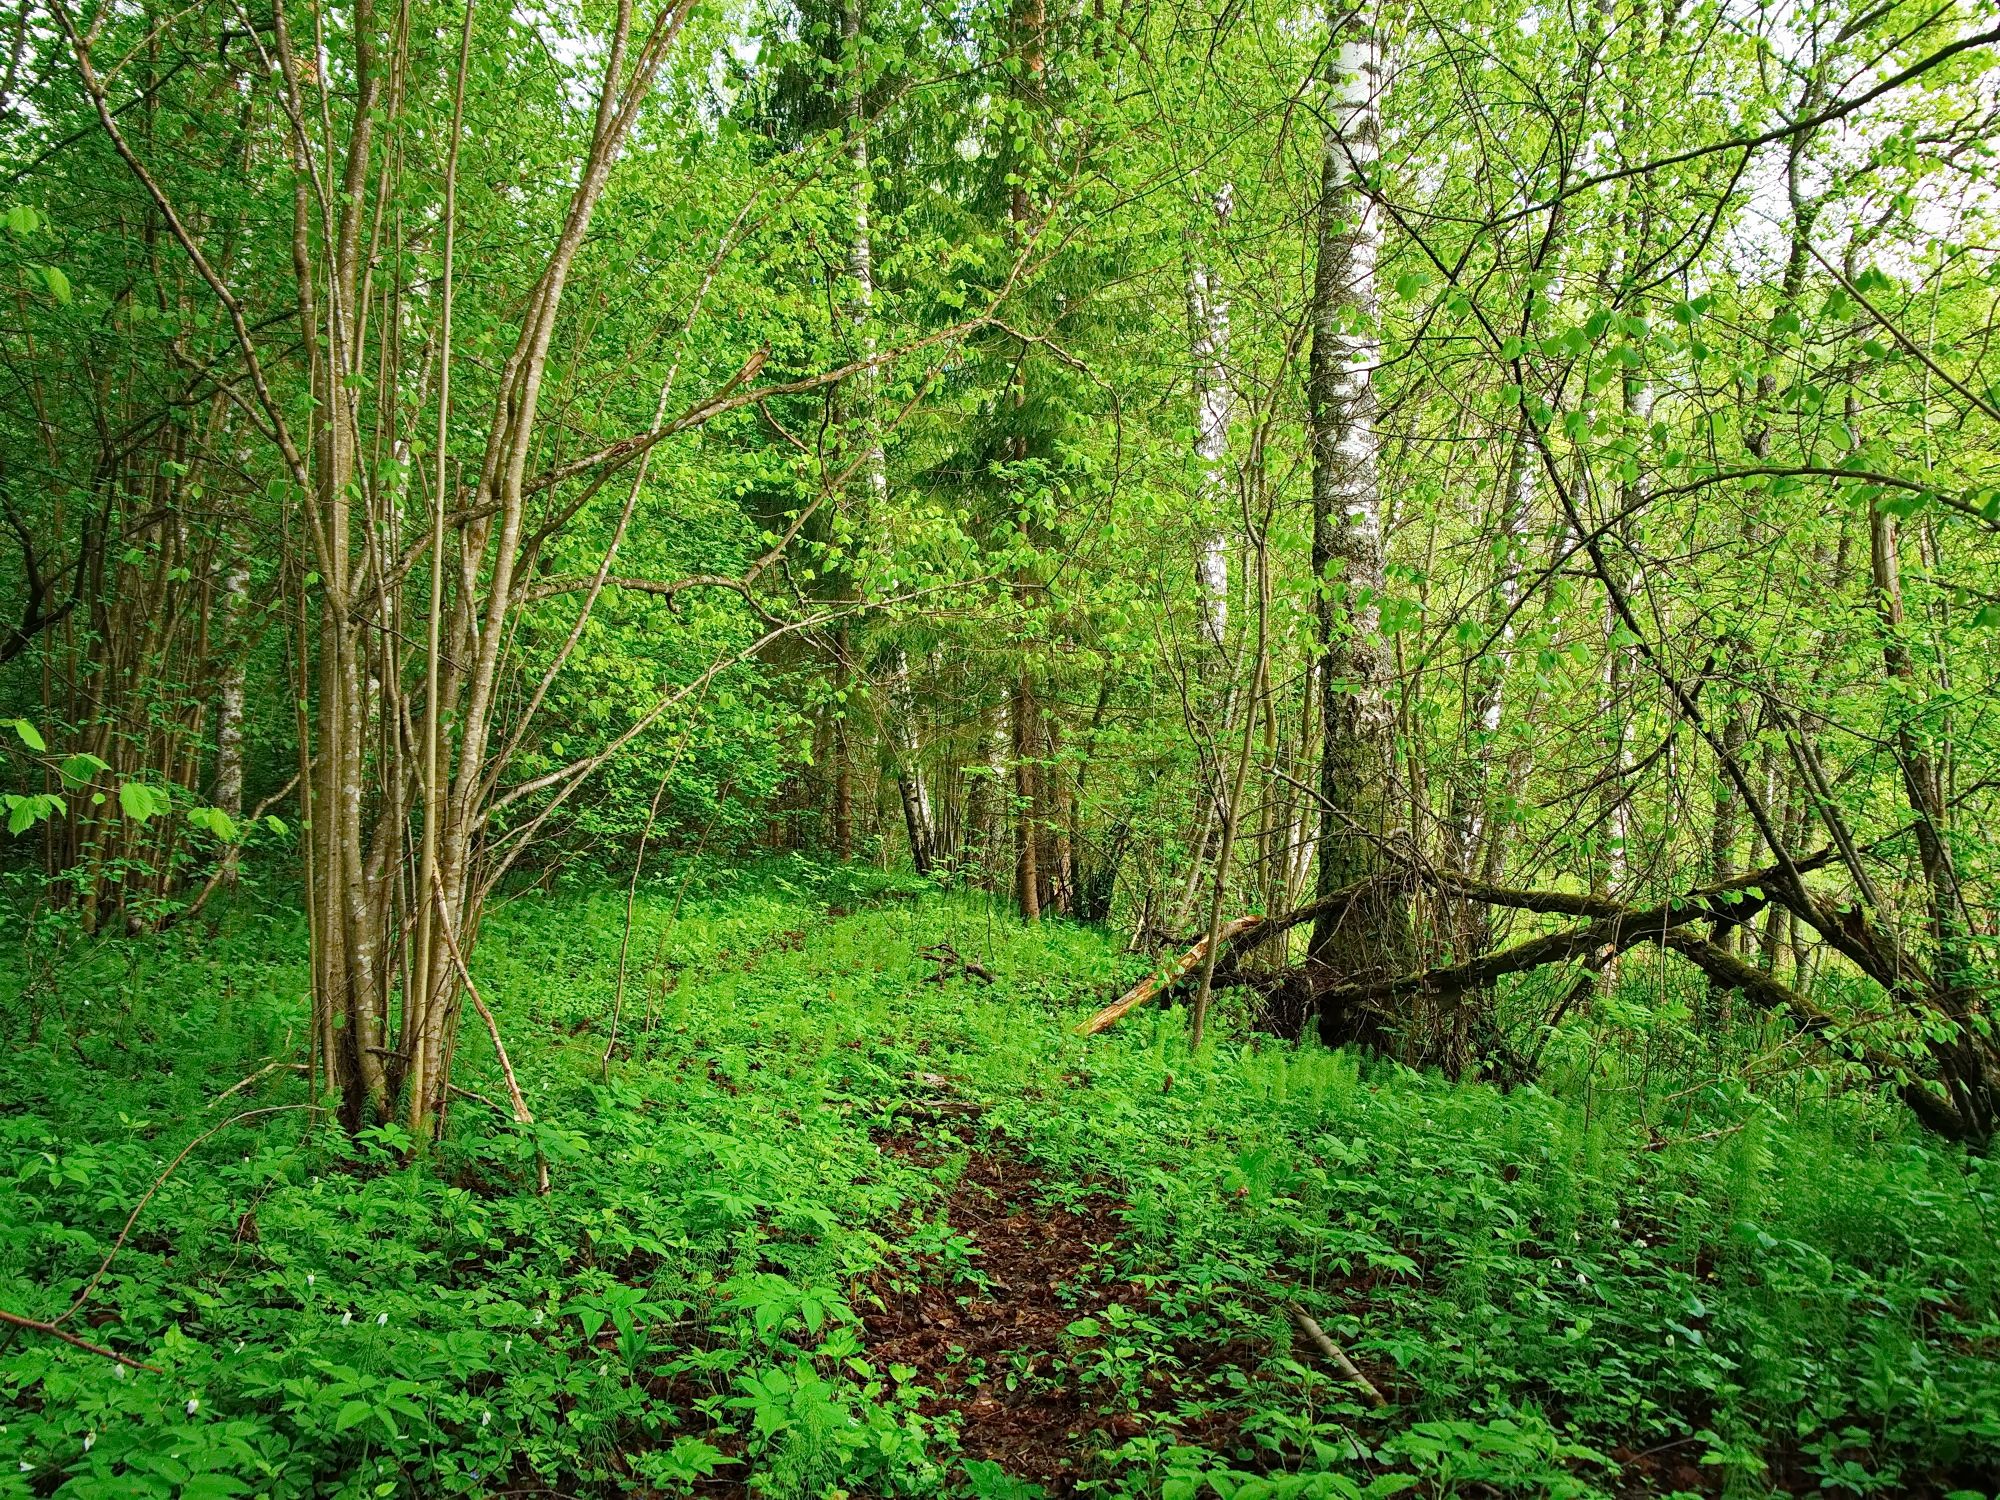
point(997, 1357)
point(987, 1332)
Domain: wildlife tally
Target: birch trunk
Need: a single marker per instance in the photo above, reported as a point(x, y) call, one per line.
point(1361, 800)
point(1208, 310)
point(899, 727)
point(900, 734)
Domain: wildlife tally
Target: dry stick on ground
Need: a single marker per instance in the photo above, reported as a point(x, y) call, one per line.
point(522, 1114)
point(1155, 984)
point(270, 1067)
point(139, 1207)
point(949, 961)
point(17, 1321)
point(1336, 1356)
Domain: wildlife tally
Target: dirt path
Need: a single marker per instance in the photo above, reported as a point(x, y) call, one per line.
point(997, 1356)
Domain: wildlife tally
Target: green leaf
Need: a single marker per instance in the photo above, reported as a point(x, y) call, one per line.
point(352, 1414)
point(137, 800)
point(81, 767)
point(215, 821)
point(30, 736)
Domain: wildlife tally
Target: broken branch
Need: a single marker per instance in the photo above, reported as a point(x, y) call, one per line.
point(1155, 984)
point(37, 1326)
point(1335, 1355)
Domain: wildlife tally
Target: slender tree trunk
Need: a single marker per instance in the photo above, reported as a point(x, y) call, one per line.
point(1471, 824)
point(1361, 798)
point(1472, 795)
point(907, 764)
point(229, 693)
point(1029, 21)
point(843, 760)
point(1027, 875)
point(900, 722)
point(1208, 311)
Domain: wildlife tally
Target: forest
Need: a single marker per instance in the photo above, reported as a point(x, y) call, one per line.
point(842, 749)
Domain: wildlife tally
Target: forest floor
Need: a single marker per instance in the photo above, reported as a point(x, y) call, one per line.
point(846, 1216)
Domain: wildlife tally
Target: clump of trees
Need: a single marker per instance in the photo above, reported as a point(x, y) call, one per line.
point(1492, 492)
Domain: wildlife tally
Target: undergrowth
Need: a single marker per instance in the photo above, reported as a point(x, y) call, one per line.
point(1613, 1284)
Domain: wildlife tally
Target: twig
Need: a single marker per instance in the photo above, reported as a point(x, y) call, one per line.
point(229, 864)
point(522, 1114)
point(1336, 1356)
point(270, 1067)
point(1155, 984)
point(69, 1338)
point(1661, 1142)
point(485, 1099)
point(158, 1182)
point(947, 958)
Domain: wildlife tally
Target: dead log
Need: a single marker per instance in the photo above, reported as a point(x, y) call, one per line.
point(1156, 984)
point(1336, 1356)
point(1956, 1097)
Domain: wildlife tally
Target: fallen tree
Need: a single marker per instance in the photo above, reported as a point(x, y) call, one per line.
point(1162, 982)
point(1942, 1062)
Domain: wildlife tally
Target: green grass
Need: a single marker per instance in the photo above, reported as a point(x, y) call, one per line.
point(1748, 1298)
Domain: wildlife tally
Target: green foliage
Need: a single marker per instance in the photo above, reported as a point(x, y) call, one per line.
point(1805, 1290)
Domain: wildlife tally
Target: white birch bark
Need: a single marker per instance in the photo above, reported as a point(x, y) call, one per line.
point(900, 721)
point(1208, 307)
point(229, 696)
point(1620, 669)
point(1358, 782)
point(1471, 824)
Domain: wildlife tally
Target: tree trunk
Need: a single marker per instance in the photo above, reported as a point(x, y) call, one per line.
point(1360, 796)
point(900, 734)
point(1027, 876)
point(1208, 311)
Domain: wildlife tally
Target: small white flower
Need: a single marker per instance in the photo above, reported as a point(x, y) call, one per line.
point(486, 1419)
point(1640, 1242)
point(1670, 1341)
point(26, 1467)
point(89, 1441)
point(310, 1278)
point(381, 1320)
point(510, 1347)
point(1582, 1280)
point(1615, 1224)
point(119, 1371)
point(538, 1320)
point(194, 1405)
point(241, 1345)
point(346, 1318)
